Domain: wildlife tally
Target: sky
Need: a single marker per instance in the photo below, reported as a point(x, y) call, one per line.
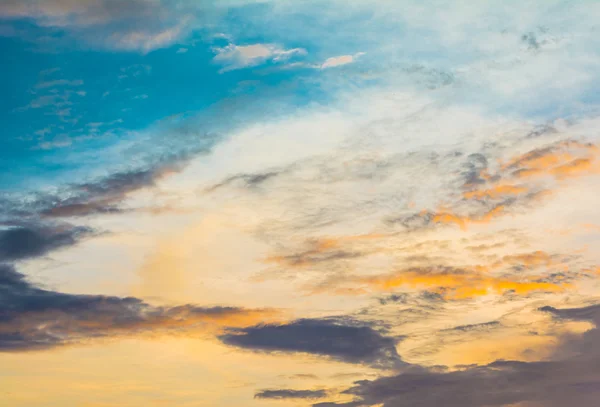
point(316, 203)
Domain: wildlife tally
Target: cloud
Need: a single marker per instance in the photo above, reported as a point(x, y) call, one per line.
point(312, 256)
point(326, 250)
point(147, 40)
point(527, 178)
point(248, 180)
point(34, 318)
point(340, 60)
point(24, 242)
point(58, 82)
point(286, 394)
point(142, 25)
point(242, 56)
point(450, 283)
point(341, 339)
point(105, 195)
point(570, 377)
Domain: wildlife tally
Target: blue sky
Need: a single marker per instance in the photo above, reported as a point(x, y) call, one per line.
point(116, 80)
point(71, 100)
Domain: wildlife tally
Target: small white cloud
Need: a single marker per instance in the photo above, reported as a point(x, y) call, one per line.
point(340, 60)
point(60, 141)
point(50, 71)
point(146, 40)
point(223, 36)
point(242, 56)
point(43, 132)
point(58, 82)
point(182, 51)
point(64, 112)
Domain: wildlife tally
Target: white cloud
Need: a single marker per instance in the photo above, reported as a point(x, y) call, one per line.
point(241, 56)
point(340, 60)
point(337, 61)
point(148, 40)
point(59, 82)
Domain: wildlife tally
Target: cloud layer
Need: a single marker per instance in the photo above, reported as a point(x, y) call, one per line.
point(33, 318)
point(571, 379)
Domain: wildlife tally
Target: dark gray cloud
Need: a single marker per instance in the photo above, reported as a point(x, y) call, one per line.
point(104, 195)
point(475, 327)
point(101, 196)
point(284, 394)
point(32, 226)
point(23, 242)
point(34, 318)
point(473, 167)
point(571, 377)
point(401, 298)
point(311, 257)
point(247, 180)
point(339, 338)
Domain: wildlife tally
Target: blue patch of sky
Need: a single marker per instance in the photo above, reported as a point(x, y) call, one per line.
point(122, 94)
point(130, 92)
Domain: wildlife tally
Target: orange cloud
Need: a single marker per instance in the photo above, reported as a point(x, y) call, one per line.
point(51, 328)
point(573, 168)
point(533, 259)
point(593, 270)
point(458, 285)
point(495, 192)
point(464, 221)
point(452, 283)
point(591, 227)
point(578, 159)
point(323, 249)
point(564, 160)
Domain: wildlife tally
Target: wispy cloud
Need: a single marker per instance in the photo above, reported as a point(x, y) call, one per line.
point(242, 56)
point(286, 394)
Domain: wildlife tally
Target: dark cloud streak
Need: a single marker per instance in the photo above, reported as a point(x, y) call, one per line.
point(284, 394)
point(32, 318)
point(24, 242)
